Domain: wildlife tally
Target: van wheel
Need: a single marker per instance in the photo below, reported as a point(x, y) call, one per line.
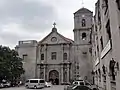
point(35, 87)
point(26, 86)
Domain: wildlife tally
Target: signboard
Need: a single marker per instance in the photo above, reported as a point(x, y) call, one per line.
point(96, 61)
point(106, 49)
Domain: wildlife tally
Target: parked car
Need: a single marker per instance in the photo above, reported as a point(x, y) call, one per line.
point(65, 83)
point(35, 83)
point(79, 82)
point(13, 83)
point(88, 84)
point(48, 84)
point(69, 87)
point(6, 84)
point(81, 87)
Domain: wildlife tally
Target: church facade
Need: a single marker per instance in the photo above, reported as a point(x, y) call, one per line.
point(57, 58)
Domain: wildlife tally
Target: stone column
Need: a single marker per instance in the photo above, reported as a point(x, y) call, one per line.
point(68, 73)
point(44, 72)
point(61, 73)
point(39, 58)
point(39, 54)
point(62, 51)
point(39, 71)
point(45, 52)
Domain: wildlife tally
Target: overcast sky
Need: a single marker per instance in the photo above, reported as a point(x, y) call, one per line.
point(33, 19)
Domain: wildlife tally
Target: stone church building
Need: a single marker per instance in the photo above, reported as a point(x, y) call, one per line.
point(57, 58)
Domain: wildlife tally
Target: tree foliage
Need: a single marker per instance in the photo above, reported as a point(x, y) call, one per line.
point(10, 64)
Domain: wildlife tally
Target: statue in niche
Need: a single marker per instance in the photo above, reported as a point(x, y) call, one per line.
point(112, 68)
point(104, 71)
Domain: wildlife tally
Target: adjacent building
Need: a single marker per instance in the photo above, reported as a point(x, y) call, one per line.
point(106, 50)
point(57, 58)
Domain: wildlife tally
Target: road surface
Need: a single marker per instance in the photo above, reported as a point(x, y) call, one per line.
point(55, 87)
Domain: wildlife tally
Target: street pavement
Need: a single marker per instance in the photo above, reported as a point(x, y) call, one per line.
point(54, 87)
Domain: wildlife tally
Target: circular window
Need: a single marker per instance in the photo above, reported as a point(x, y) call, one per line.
point(53, 39)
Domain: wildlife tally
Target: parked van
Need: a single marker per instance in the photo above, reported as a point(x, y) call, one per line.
point(35, 83)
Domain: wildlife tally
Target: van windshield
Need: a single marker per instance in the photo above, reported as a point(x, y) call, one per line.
point(33, 81)
point(41, 81)
point(27, 81)
point(81, 83)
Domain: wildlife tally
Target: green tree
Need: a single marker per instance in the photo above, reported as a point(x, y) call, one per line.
point(11, 66)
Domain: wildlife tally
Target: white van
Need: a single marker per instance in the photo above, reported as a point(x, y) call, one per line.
point(35, 83)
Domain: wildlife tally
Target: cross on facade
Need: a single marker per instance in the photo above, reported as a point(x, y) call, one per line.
point(82, 3)
point(54, 24)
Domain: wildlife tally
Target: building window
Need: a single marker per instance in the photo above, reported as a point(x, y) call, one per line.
point(65, 56)
point(78, 75)
point(108, 29)
point(42, 56)
point(105, 5)
point(97, 48)
point(96, 28)
point(118, 4)
point(101, 41)
point(77, 67)
point(95, 53)
point(25, 56)
point(83, 36)
point(53, 55)
point(99, 19)
point(83, 23)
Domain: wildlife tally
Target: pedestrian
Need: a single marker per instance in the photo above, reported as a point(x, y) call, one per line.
point(18, 83)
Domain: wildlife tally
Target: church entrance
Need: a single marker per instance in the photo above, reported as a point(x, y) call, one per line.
point(54, 77)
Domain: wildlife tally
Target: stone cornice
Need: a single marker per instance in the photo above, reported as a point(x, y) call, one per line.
point(82, 29)
point(67, 63)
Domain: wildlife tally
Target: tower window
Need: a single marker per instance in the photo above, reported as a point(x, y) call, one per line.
point(83, 36)
point(83, 23)
point(42, 56)
point(77, 67)
point(65, 56)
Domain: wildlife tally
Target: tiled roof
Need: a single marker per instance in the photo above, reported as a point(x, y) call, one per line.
point(83, 10)
point(66, 39)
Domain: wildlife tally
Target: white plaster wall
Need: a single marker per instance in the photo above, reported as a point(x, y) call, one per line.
point(29, 64)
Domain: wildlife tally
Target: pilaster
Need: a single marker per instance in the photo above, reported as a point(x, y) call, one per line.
point(68, 73)
point(61, 73)
point(44, 72)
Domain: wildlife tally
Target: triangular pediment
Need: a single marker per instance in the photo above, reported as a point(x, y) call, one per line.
point(55, 38)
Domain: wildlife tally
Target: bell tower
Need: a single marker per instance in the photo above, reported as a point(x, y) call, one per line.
point(82, 40)
point(82, 26)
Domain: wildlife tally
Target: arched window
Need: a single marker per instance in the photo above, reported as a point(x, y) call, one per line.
point(83, 36)
point(65, 56)
point(83, 23)
point(42, 56)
